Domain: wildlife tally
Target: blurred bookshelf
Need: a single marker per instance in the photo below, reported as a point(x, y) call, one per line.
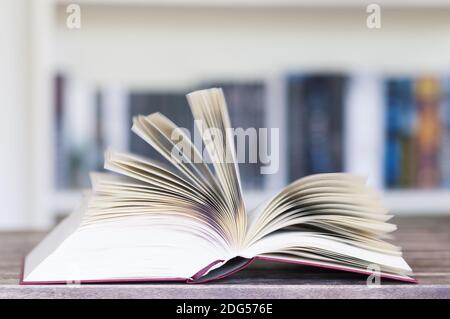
point(130, 52)
point(317, 114)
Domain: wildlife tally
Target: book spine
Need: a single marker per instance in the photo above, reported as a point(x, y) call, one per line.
point(445, 137)
point(315, 105)
point(399, 132)
point(428, 132)
point(61, 169)
point(323, 105)
point(99, 131)
point(407, 116)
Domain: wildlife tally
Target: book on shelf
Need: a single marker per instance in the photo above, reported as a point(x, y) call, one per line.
point(400, 159)
point(444, 159)
point(417, 149)
point(428, 132)
point(188, 222)
point(315, 138)
point(61, 169)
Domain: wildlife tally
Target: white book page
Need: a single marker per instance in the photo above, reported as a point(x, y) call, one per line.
point(286, 242)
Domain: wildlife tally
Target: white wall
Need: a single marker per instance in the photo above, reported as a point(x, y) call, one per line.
point(14, 116)
point(148, 46)
point(25, 112)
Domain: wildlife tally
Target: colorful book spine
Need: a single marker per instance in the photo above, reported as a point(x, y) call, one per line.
point(400, 112)
point(445, 134)
point(428, 132)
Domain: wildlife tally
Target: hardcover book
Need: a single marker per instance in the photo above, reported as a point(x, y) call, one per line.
point(187, 221)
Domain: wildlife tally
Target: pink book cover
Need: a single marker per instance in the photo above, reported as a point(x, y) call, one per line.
point(204, 275)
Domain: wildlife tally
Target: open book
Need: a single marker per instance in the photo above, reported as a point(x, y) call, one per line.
point(151, 222)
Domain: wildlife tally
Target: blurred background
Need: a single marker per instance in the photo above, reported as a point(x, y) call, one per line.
point(346, 96)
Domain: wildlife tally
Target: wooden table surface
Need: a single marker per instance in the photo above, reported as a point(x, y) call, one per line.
point(425, 242)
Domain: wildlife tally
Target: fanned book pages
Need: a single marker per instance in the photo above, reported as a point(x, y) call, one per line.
point(187, 221)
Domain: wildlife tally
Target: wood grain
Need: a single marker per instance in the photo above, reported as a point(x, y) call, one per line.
point(425, 242)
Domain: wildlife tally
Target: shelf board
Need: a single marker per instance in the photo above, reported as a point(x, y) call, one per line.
point(415, 202)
